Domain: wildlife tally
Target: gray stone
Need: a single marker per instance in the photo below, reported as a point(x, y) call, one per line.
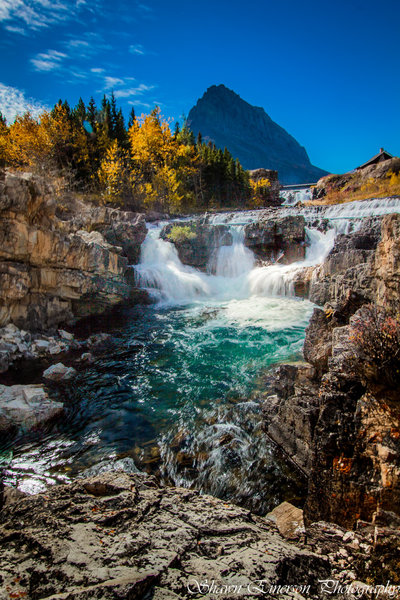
point(59, 372)
point(116, 535)
point(25, 407)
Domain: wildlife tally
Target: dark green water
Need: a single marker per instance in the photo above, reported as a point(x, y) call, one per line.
point(177, 393)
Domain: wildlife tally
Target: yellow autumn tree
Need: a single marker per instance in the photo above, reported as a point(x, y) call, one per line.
point(113, 173)
point(163, 168)
point(151, 142)
point(27, 143)
point(260, 191)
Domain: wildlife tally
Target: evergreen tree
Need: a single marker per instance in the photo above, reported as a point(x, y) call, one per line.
point(132, 118)
point(92, 113)
point(80, 111)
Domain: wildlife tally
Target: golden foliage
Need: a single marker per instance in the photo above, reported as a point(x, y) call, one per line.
point(260, 191)
point(112, 173)
point(357, 189)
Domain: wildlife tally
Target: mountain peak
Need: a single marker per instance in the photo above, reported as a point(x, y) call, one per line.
point(224, 118)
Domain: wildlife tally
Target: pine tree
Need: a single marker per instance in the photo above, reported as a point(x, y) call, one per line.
point(132, 118)
point(92, 113)
point(80, 111)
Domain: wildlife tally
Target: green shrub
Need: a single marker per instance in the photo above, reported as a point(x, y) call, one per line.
point(181, 233)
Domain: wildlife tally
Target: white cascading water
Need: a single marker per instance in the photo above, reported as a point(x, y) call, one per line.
point(235, 260)
point(232, 273)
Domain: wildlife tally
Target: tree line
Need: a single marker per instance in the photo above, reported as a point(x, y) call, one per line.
point(141, 165)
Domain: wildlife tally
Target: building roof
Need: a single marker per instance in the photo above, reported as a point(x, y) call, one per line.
point(382, 155)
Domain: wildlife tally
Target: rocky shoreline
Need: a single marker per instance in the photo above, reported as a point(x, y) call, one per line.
point(122, 536)
point(118, 535)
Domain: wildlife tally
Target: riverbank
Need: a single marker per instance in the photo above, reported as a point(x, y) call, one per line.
point(179, 393)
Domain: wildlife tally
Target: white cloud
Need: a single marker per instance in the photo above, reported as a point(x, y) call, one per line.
point(138, 103)
point(136, 91)
point(110, 82)
point(97, 70)
point(78, 44)
point(13, 102)
point(36, 14)
point(15, 29)
point(48, 61)
point(137, 49)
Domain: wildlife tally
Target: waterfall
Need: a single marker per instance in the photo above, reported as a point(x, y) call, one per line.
point(232, 273)
point(161, 272)
point(235, 260)
point(294, 197)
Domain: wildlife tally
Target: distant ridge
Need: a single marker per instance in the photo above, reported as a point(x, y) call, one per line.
point(251, 136)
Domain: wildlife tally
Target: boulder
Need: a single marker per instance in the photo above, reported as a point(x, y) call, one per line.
point(199, 249)
point(59, 372)
point(24, 407)
point(277, 239)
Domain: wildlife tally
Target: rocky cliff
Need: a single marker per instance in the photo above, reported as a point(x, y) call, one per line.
point(60, 262)
point(342, 428)
point(250, 135)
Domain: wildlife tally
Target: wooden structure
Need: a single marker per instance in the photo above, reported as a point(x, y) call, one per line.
point(380, 157)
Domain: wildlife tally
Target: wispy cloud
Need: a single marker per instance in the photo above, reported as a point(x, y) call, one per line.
point(137, 49)
point(48, 61)
point(13, 102)
point(15, 29)
point(139, 103)
point(37, 14)
point(144, 10)
point(87, 45)
point(133, 91)
point(111, 82)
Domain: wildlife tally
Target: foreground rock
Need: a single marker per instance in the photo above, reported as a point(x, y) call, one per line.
point(55, 264)
point(25, 407)
point(118, 535)
point(121, 536)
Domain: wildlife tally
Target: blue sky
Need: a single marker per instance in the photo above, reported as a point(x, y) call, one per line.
point(328, 72)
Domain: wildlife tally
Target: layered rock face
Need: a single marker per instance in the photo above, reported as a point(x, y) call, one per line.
point(53, 269)
point(251, 136)
point(277, 239)
point(344, 432)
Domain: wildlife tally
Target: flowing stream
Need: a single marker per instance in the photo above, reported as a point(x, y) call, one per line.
point(181, 394)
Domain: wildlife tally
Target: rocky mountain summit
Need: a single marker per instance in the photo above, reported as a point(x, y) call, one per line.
point(223, 118)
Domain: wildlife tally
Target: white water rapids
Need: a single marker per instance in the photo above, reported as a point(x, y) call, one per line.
point(232, 273)
point(179, 393)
